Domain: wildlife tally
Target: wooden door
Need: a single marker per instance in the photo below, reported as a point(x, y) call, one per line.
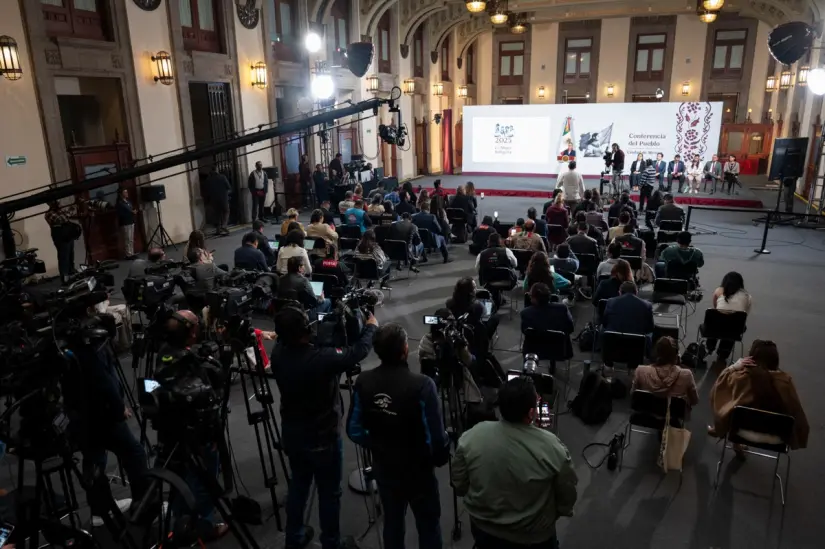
point(222, 127)
point(751, 143)
point(292, 149)
point(730, 102)
point(459, 143)
point(421, 130)
point(347, 144)
point(389, 159)
point(813, 156)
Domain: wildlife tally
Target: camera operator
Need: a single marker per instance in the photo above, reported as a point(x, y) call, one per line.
point(177, 365)
point(138, 267)
point(617, 165)
point(396, 413)
point(307, 378)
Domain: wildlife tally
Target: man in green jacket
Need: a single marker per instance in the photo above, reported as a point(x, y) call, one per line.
point(681, 253)
point(516, 479)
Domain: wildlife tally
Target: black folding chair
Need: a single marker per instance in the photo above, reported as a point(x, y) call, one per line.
point(381, 233)
point(683, 271)
point(630, 349)
point(634, 260)
point(330, 281)
point(427, 239)
point(503, 229)
point(671, 291)
point(647, 416)
point(348, 231)
point(551, 345)
point(763, 430)
point(500, 279)
point(724, 326)
point(365, 269)
point(345, 244)
point(398, 251)
point(556, 234)
point(523, 258)
point(588, 265)
point(458, 223)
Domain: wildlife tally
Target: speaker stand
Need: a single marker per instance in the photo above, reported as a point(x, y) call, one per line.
point(160, 233)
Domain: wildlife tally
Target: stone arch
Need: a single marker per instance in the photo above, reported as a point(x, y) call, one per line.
point(468, 31)
point(418, 20)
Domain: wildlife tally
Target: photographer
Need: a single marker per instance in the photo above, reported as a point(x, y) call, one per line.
point(396, 414)
point(307, 378)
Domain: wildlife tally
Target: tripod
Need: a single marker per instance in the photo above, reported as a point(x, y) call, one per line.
point(160, 233)
point(452, 407)
point(776, 217)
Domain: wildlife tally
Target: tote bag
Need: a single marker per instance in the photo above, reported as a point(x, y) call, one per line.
point(674, 445)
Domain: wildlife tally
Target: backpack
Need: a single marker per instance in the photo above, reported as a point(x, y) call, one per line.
point(694, 356)
point(586, 338)
point(594, 402)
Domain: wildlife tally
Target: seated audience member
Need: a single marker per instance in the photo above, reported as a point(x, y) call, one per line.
point(527, 239)
point(564, 259)
point(263, 242)
point(425, 220)
point(295, 285)
point(405, 206)
point(428, 351)
point(329, 265)
point(608, 289)
point(517, 509)
point(389, 210)
point(597, 200)
point(592, 230)
point(543, 315)
point(203, 271)
point(318, 229)
point(329, 217)
point(624, 220)
point(557, 214)
point(632, 245)
point(624, 204)
point(586, 205)
point(358, 192)
point(480, 236)
point(393, 196)
point(652, 210)
point(464, 203)
point(580, 243)
point(729, 297)
point(438, 210)
point(376, 205)
point(138, 267)
point(464, 302)
point(292, 246)
point(470, 191)
point(664, 377)
point(248, 256)
point(407, 188)
point(291, 217)
point(757, 382)
point(669, 211)
point(628, 314)
point(539, 271)
point(358, 217)
point(197, 240)
point(681, 253)
point(493, 257)
point(423, 198)
point(614, 252)
point(405, 231)
point(347, 203)
point(541, 225)
point(368, 248)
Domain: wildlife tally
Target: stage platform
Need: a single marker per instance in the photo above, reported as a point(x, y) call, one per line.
point(542, 189)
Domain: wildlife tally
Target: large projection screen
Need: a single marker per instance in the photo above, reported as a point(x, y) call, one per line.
point(529, 139)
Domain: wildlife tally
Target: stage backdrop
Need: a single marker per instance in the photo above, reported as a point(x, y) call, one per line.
point(529, 139)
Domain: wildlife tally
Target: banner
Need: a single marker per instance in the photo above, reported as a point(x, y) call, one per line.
point(542, 139)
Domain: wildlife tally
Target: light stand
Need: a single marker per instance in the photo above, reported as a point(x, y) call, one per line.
point(776, 218)
point(160, 233)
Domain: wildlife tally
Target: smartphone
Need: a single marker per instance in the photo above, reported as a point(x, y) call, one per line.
point(5, 533)
point(321, 316)
point(431, 320)
point(149, 385)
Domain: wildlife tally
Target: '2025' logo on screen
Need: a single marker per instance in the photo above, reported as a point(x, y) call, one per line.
point(504, 133)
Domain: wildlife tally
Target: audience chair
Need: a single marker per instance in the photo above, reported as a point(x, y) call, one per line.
point(647, 416)
point(623, 348)
point(634, 260)
point(427, 239)
point(556, 234)
point(347, 244)
point(348, 231)
point(503, 229)
point(398, 251)
point(683, 271)
point(523, 258)
point(500, 280)
point(723, 326)
point(330, 281)
point(551, 345)
point(366, 270)
point(381, 233)
point(597, 220)
point(546, 244)
point(671, 291)
point(458, 223)
point(588, 265)
point(762, 430)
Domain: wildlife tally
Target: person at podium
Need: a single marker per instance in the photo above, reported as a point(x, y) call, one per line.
point(569, 152)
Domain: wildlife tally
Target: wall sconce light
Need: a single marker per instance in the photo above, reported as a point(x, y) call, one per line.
point(587, 95)
point(438, 89)
point(686, 88)
point(542, 92)
point(163, 62)
point(10, 59)
point(259, 75)
point(610, 90)
point(462, 92)
point(770, 84)
point(372, 83)
point(802, 75)
point(409, 86)
point(785, 80)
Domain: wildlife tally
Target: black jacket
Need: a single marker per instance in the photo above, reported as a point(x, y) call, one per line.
point(250, 182)
point(426, 220)
point(463, 202)
point(92, 394)
point(307, 377)
point(297, 287)
point(405, 207)
point(480, 238)
point(125, 213)
point(541, 227)
point(404, 231)
point(218, 187)
point(617, 160)
point(583, 244)
point(249, 257)
point(328, 266)
point(397, 414)
point(263, 247)
point(670, 212)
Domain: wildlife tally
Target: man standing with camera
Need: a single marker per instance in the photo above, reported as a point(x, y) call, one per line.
point(617, 163)
point(308, 377)
point(396, 414)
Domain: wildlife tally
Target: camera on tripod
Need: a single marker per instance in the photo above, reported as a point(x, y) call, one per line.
point(348, 318)
point(238, 292)
point(22, 265)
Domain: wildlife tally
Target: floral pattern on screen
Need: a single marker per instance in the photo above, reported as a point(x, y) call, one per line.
point(693, 129)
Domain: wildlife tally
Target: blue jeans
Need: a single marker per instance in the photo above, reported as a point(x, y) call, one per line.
point(322, 462)
point(420, 493)
point(418, 248)
point(486, 541)
point(322, 307)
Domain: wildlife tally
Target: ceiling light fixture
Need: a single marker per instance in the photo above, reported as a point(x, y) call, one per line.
point(476, 6)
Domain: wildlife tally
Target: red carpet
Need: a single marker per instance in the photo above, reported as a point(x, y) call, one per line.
point(696, 200)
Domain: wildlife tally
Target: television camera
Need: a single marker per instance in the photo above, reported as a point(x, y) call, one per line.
point(237, 292)
point(348, 317)
point(393, 135)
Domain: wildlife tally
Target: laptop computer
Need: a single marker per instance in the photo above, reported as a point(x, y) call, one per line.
point(317, 288)
point(273, 244)
point(309, 243)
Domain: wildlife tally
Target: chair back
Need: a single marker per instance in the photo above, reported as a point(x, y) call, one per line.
point(381, 233)
point(556, 234)
point(523, 258)
point(655, 406)
point(685, 271)
point(456, 215)
point(624, 348)
point(396, 250)
point(365, 268)
point(345, 243)
point(503, 229)
point(612, 221)
point(674, 286)
point(547, 344)
point(595, 218)
point(601, 306)
point(349, 231)
point(330, 281)
point(670, 225)
point(588, 264)
point(427, 238)
point(634, 260)
point(375, 218)
point(725, 326)
point(762, 422)
point(498, 275)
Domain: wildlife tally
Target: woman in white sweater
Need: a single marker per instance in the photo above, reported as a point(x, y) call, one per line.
point(292, 245)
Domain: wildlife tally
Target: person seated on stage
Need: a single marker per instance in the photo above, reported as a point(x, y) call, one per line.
point(694, 174)
point(614, 252)
point(495, 256)
point(624, 220)
point(669, 211)
point(608, 289)
point(291, 246)
point(527, 239)
point(318, 229)
point(661, 168)
point(519, 509)
point(629, 314)
point(368, 248)
point(376, 205)
point(757, 382)
point(729, 297)
point(731, 172)
point(682, 253)
point(358, 217)
point(404, 205)
point(587, 204)
point(291, 217)
point(346, 203)
point(295, 285)
point(676, 171)
point(653, 206)
point(425, 220)
point(541, 225)
point(564, 259)
point(713, 172)
point(557, 214)
point(480, 236)
point(637, 168)
point(580, 243)
point(329, 265)
point(572, 183)
point(664, 377)
point(406, 231)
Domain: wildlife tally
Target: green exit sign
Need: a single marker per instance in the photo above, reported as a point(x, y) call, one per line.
point(14, 161)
